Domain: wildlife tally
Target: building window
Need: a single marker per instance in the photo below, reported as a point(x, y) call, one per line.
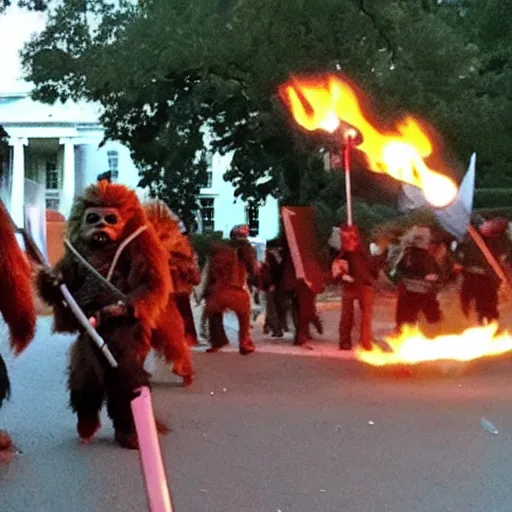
point(209, 173)
point(253, 219)
point(207, 183)
point(113, 164)
point(52, 176)
point(52, 198)
point(207, 213)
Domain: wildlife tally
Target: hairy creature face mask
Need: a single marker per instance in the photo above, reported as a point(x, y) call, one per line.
point(102, 225)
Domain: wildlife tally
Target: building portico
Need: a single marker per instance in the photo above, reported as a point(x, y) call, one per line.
point(48, 161)
point(45, 143)
point(61, 148)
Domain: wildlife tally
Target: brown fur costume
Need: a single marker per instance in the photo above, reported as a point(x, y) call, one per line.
point(229, 267)
point(16, 304)
point(168, 337)
point(100, 221)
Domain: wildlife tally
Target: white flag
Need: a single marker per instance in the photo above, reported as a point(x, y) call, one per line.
point(455, 217)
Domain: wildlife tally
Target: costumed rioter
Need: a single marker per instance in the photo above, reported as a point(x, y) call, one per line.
point(16, 303)
point(231, 266)
point(302, 295)
point(271, 277)
point(169, 338)
point(359, 271)
point(110, 240)
point(480, 283)
point(419, 278)
point(186, 274)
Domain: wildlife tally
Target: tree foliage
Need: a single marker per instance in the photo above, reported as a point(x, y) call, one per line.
point(164, 70)
point(32, 5)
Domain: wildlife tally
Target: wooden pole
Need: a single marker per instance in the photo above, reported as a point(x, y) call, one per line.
point(347, 148)
point(477, 238)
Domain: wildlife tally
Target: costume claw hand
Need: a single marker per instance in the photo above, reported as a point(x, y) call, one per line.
point(48, 284)
point(339, 267)
point(51, 278)
point(376, 249)
point(117, 310)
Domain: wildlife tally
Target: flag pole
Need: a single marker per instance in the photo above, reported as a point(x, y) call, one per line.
point(475, 235)
point(347, 148)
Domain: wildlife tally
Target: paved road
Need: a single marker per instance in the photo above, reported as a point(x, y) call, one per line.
point(271, 432)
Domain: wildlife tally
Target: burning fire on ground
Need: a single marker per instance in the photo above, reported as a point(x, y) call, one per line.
point(323, 103)
point(412, 347)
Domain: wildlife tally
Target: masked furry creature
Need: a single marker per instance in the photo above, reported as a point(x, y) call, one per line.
point(232, 264)
point(169, 337)
point(108, 227)
point(419, 279)
point(16, 302)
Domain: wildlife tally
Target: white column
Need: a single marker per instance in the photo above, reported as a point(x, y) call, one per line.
point(68, 179)
point(18, 180)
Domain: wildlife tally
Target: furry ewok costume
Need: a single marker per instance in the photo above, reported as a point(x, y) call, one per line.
point(169, 336)
point(109, 228)
point(16, 304)
point(183, 262)
point(419, 276)
point(230, 266)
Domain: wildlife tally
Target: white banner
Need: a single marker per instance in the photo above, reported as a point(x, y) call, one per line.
point(455, 217)
point(35, 214)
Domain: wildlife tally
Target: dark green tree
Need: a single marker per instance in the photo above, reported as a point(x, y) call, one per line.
point(166, 70)
point(33, 5)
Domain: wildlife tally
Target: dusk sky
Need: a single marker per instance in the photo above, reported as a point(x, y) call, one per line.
point(16, 26)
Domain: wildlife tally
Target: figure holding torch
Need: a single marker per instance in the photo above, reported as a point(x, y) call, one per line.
point(332, 104)
point(350, 138)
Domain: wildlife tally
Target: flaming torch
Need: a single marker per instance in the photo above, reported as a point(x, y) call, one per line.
point(331, 104)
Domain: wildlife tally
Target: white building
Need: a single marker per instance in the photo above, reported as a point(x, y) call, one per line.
point(57, 146)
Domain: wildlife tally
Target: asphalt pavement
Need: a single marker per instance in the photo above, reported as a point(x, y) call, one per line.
point(284, 429)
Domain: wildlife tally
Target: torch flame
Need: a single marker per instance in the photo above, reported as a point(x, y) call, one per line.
point(322, 103)
point(412, 347)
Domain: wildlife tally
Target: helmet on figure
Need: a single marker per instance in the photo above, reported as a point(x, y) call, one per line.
point(239, 232)
point(493, 227)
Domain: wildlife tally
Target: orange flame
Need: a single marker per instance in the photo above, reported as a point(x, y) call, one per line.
point(322, 103)
point(412, 347)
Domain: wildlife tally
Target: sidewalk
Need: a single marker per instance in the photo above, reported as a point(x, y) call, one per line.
point(325, 345)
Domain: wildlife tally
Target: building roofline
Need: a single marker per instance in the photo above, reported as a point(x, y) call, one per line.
point(14, 94)
point(61, 124)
